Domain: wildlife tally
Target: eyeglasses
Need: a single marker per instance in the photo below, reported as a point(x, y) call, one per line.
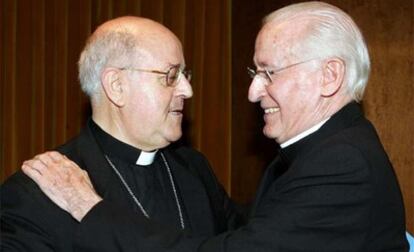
point(172, 76)
point(267, 74)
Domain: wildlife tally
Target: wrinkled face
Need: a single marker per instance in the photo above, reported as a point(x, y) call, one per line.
point(291, 101)
point(152, 114)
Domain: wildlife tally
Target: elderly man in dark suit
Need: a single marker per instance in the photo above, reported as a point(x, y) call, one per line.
point(133, 71)
point(330, 188)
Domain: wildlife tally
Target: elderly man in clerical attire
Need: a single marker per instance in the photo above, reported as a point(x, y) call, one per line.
point(133, 70)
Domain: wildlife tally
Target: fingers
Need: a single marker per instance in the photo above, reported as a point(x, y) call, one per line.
point(31, 172)
point(40, 163)
point(50, 168)
point(69, 163)
point(44, 158)
point(35, 165)
point(39, 173)
point(56, 155)
point(63, 181)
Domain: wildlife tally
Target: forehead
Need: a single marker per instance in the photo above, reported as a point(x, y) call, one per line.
point(163, 49)
point(274, 44)
point(155, 45)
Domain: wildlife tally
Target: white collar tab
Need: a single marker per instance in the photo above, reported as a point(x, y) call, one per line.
point(146, 158)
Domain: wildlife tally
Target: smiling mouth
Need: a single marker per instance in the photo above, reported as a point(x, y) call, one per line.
point(271, 110)
point(176, 112)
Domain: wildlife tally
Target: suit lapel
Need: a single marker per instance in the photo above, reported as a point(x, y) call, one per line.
point(193, 196)
point(266, 181)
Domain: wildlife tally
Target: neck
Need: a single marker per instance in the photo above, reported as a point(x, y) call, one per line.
point(111, 122)
point(337, 105)
point(324, 110)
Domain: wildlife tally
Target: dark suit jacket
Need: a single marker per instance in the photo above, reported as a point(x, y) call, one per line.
point(334, 190)
point(31, 222)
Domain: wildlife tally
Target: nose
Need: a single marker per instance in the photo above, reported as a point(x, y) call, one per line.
point(184, 88)
point(257, 89)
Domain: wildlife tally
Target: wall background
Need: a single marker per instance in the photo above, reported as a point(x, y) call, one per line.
point(41, 105)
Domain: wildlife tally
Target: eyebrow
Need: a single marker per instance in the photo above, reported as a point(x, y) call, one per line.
point(261, 64)
point(169, 66)
point(178, 65)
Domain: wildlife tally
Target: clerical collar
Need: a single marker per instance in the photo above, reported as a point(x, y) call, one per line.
point(116, 148)
point(146, 158)
point(303, 134)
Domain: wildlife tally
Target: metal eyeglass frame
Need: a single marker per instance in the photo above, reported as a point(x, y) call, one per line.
point(171, 78)
point(267, 74)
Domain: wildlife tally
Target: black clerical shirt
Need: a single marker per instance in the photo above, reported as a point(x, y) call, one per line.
point(150, 184)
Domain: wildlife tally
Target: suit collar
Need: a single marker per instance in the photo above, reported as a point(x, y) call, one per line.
point(277, 165)
point(342, 119)
point(94, 162)
point(304, 134)
point(118, 149)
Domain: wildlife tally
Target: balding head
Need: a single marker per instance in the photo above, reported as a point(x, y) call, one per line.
point(120, 42)
point(145, 30)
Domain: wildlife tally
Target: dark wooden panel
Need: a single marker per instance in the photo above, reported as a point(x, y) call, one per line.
point(194, 44)
point(38, 78)
point(153, 9)
point(212, 93)
point(8, 81)
point(23, 85)
point(78, 29)
point(60, 80)
point(175, 20)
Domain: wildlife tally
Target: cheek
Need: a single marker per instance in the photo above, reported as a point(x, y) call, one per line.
point(281, 92)
point(290, 92)
point(142, 110)
point(152, 101)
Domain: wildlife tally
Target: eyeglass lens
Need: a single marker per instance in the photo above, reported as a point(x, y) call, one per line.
point(173, 75)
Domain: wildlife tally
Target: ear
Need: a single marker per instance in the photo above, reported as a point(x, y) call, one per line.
point(333, 76)
point(113, 87)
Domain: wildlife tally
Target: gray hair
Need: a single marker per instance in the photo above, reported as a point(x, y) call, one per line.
point(112, 48)
point(331, 33)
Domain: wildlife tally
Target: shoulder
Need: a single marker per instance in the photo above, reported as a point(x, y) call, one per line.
point(18, 184)
point(336, 153)
point(337, 157)
point(77, 147)
point(23, 203)
point(355, 150)
point(195, 162)
point(356, 144)
point(71, 146)
point(189, 155)
point(21, 195)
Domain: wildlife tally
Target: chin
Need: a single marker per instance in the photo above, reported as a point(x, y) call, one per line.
point(268, 133)
point(174, 136)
